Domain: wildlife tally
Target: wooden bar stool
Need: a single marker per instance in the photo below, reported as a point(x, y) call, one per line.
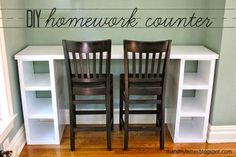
point(88, 71)
point(145, 73)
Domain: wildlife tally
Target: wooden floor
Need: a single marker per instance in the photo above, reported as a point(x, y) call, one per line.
point(141, 144)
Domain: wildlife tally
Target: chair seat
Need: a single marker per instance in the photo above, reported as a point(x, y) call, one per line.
point(142, 88)
point(91, 88)
point(143, 82)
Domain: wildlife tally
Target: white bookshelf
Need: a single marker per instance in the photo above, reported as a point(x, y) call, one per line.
point(43, 123)
point(191, 112)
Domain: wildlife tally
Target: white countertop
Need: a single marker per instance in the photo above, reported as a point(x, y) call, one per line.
point(56, 53)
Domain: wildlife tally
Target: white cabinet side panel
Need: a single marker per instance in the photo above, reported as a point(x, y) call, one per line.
point(23, 98)
point(172, 95)
point(54, 100)
point(179, 100)
point(209, 96)
point(60, 94)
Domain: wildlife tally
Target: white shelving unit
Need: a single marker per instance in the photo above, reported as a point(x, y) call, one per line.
point(191, 114)
point(43, 123)
point(187, 117)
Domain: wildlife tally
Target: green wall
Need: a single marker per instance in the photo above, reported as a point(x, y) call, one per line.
point(213, 40)
point(179, 36)
point(15, 41)
point(224, 106)
point(213, 36)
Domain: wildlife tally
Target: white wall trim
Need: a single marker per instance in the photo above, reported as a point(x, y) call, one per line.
point(6, 78)
point(18, 142)
point(6, 125)
point(100, 119)
point(221, 134)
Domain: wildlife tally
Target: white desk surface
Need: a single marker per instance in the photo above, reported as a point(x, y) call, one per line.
point(56, 53)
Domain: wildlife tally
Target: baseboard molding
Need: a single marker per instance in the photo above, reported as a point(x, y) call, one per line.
point(100, 119)
point(6, 126)
point(18, 142)
point(221, 134)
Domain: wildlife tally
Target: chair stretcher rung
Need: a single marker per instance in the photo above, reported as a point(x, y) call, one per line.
point(91, 112)
point(90, 129)
point(144, 101)
point(142, 112)
point(144, 128)
point(89, 102)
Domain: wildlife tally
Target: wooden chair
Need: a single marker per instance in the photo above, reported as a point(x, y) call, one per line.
point(88, 72)
point(145, 72)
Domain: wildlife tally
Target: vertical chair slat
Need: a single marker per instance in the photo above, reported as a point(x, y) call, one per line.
point(140, 64)
point(153, 64)
point(81, 65)
point(159, 64)
point(146, 65)
point(100, 64)
point(88, 65)
point(134, 64)
point(94, 65)
point(75, 64)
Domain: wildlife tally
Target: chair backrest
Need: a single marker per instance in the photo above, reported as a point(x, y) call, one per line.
point(87, 61)
point(146, 61)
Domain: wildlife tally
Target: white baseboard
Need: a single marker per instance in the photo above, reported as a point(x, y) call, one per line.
point(100, 119)
point(6, 126)
point(18, 142)
point(221, 134)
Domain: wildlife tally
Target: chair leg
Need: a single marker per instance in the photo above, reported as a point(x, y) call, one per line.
point(112, 116)
point(121, 108)
point(126, 136)
point(162, 132)
point(158, 117)
point(108, 122)
point(72, 138)
point(72, 126)
point(162, 138)
point(112, 109)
